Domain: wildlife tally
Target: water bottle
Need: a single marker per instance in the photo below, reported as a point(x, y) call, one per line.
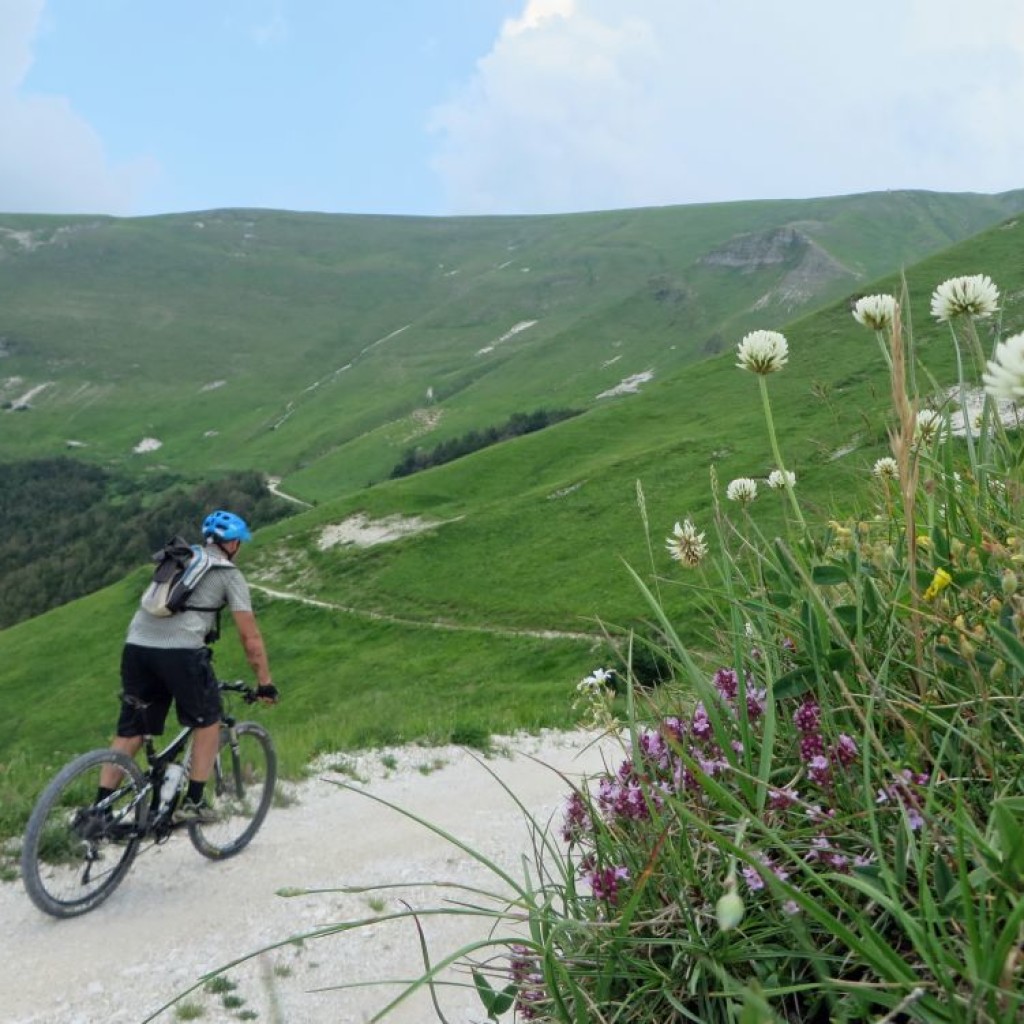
point(173, 775)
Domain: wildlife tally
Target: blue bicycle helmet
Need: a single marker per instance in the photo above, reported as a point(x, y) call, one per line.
point(223, 525)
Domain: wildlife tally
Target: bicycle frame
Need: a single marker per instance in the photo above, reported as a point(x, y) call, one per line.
point(157, 821)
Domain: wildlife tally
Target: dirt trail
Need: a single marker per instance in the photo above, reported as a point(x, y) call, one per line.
point(454, 627)
point(178, 916)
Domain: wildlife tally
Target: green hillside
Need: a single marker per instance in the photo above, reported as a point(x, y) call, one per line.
point(479, 622)
point(317, 348)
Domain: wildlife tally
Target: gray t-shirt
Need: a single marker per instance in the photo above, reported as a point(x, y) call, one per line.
point(222, 585)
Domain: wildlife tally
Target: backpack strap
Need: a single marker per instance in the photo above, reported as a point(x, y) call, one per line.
point(213, 634)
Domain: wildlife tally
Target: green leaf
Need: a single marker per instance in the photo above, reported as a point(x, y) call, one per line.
point(945, 881)
point(940, 544)
point(870, 592)
point(900, 858)
point(495, 1003)
point(838, 659)
point(849, 617)
point(794, 683)
point(946, 653)
point(800, 680)
point(829, 575)
point(1007, 832)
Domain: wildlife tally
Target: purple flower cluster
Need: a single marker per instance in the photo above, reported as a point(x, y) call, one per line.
point(673, 759)
point(820, 761)
point(532, 999)
point(905, 789)
point(727, 683)
point(622, 796)
point(604, 882)
point(576, 821)
point(639, 786)
point(755, 876)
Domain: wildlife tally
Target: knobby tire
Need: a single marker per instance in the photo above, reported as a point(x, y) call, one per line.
point(71, 863)
point(242, 787)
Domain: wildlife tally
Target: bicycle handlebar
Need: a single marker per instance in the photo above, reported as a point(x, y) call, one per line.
point(248, 692)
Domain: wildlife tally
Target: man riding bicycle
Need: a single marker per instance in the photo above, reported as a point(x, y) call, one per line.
point(168, 657)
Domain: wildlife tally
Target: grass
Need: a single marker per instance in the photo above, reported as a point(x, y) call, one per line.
point(637, 285)
point(451, 636)
point(220, 985)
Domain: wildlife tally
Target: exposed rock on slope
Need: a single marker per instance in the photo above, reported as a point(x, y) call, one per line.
point(810, 265)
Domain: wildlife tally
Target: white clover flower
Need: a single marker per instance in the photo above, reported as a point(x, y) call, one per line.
point(763, 352)
point(743, 490)
point(1004, 377)
point(686, 545)
point(929, 428)
point(779, 479)
point(974, 295)
point(875, 311)
point(886, 468)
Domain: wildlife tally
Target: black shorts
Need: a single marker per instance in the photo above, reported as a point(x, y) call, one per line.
point(152, 676)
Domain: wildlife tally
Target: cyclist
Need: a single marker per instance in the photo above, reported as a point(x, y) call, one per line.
point(169, 657)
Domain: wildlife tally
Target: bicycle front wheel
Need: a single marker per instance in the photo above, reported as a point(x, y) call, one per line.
point(243, 788)
point(76, 854)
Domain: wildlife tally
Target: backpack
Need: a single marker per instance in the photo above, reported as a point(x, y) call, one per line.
point(179, 568)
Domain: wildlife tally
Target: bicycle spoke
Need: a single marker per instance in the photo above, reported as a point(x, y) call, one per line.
point(243, 787)
point(75, 854)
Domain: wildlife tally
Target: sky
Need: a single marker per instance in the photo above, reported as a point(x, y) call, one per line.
point(440, 107)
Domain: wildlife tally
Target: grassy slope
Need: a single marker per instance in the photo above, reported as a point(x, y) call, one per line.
point(539, 531)
point(130, 323)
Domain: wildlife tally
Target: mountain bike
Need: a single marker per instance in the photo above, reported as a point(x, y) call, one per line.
point(77, 852)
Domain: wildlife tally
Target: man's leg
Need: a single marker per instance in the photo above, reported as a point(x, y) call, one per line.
point(110, 775)
point(205, 741)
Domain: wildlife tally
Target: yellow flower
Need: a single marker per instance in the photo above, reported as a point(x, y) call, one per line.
point(939, 582)
point(924, 542)
point(841, 532)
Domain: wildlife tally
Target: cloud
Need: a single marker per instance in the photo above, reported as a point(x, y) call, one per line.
point(595, 104)
point(52, 160)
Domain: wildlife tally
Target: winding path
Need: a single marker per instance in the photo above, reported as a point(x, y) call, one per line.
point(454, 627)
point(273, 485)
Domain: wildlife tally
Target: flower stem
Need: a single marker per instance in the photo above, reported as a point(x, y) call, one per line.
point(763, 384)
point(965, 411)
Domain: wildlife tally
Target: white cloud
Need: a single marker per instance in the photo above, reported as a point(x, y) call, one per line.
point(51, 160)
point(536, 13)
point(593, 104)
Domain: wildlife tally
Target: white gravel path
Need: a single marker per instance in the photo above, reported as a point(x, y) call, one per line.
point(178, 916)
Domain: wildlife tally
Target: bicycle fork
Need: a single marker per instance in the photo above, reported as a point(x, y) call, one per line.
point(229, 773)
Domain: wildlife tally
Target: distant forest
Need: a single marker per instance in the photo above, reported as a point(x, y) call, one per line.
point(416, 459)
point(68, 528)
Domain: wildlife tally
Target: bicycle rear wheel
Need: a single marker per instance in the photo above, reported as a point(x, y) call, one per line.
point(243, 788)
point(74, 854)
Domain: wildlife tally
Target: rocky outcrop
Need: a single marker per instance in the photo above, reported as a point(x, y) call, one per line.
point(761, 249)
point(808, 266)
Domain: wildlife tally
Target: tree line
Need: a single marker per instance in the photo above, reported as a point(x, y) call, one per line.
point(416, 459)
point(68, 528)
